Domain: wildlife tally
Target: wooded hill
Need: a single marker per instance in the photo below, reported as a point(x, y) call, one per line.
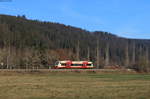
point(35, 44)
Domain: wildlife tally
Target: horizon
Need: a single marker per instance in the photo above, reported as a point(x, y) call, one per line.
point(128, 19)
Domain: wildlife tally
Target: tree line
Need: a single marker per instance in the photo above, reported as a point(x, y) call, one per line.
point(26, 44)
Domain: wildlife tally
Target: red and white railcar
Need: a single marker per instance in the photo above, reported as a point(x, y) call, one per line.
point(73, 65)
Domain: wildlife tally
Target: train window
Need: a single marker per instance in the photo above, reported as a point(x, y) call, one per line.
point(63, 64)
point(89, 64)
point(76, 64)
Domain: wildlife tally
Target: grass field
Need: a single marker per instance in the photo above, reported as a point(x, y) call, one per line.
point(74, 86)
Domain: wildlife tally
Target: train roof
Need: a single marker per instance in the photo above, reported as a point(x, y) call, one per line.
point(74, 61)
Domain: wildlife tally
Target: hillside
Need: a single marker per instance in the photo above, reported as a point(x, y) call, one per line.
point(31, 43)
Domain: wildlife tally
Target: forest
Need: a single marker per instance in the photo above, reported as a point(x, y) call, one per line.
point(28, 44)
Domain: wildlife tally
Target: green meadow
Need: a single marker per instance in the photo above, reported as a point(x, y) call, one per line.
point(74, 86)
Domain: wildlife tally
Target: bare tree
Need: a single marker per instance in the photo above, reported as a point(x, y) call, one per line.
point(107, 55)
point(88, 53)
point(3, 56)
point(127, 55)
point(133, 53)
point(143, 62)
point(140, 53)
point(8, 57)
point(97, 55)
point(78, 51)
point(8, 42)
point(147, 55)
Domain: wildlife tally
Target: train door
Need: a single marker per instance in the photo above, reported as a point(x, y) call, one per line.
point(85, 64)
point(68, 64)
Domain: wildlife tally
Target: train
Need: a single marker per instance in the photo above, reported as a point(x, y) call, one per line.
point(68, 64)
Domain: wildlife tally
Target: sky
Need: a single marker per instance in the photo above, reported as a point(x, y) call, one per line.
point(125, 18)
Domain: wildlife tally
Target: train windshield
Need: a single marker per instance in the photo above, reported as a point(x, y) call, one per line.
point(56, 64)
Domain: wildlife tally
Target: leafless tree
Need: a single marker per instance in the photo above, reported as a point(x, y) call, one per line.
point(78, 51)
point(8, 41)
point(127, 55)
point(133, 53)
point(107, 55)
point(140, 56)
point(97, 54)
point(88, 53)
point(147, 55)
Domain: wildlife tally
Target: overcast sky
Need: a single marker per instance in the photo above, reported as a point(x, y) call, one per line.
point(126, 18)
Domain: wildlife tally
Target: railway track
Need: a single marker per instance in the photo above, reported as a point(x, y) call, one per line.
point(63, 70)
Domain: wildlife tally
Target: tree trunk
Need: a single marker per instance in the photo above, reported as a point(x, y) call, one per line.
point(127, 55)
point(133, 53)
point(107, 55)
point(147, 56)
point(78, 51)
point(88, 53)
point(97, 55)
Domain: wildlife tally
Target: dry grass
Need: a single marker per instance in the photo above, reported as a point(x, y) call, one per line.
point(74, 86)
